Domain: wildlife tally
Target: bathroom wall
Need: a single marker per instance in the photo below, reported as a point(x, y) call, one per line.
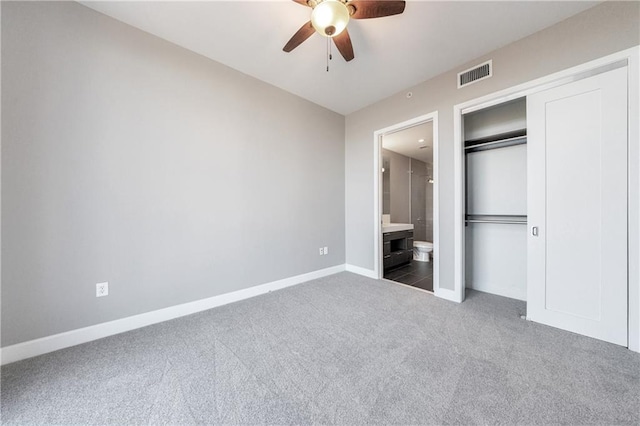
point(419, 185)
point(430, 207)
point(411, 196)
point(386, 185)
point(399, 184)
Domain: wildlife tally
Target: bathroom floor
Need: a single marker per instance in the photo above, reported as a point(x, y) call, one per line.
point(416, 274)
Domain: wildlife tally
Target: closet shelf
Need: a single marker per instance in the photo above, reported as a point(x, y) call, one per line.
point(516, 137)
point(508, 219)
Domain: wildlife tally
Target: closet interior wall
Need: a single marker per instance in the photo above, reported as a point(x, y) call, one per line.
point(496, 200)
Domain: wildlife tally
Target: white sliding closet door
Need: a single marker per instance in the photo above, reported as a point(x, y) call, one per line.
point(577, 207)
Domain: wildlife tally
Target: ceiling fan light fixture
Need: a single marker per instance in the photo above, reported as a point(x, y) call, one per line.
point(330, 17)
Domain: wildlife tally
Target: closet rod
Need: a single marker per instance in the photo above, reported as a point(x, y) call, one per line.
point(478, 215)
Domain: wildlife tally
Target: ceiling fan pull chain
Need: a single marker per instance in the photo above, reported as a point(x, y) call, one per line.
point(328, 53)
point(329, 44)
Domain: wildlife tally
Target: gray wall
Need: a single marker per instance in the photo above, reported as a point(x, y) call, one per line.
point(421, 212)
point(399, 180)
point(386, 186)
point(604, 29)
point(130, 160)
point(410, 199)
point(429, 205)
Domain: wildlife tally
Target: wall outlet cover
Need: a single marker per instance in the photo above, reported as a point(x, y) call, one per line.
point(102, 289)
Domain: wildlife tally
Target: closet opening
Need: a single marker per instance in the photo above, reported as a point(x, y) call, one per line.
point(564, 248)
point(495, 199)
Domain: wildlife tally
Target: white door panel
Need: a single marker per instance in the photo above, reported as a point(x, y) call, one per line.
point(577, 187)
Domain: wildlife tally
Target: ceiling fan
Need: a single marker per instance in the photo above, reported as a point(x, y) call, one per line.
point(330, 18)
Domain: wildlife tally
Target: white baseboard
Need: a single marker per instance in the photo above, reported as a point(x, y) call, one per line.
point(510, 292)
point(447, 294)
point(67, 339)
point(361, 271)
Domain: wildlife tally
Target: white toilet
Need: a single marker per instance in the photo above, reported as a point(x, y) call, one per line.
point(421, 250)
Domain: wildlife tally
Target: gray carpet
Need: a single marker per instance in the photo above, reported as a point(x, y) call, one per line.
point(343, 349)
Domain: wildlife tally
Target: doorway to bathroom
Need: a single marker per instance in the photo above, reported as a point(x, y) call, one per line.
point(406, 199)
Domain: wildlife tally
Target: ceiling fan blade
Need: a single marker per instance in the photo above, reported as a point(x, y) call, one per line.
point(301, 35)
point(366, 9)
point(343, 43)
point(302, 2)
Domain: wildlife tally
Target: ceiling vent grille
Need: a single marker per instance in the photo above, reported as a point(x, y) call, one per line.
point(477, 73)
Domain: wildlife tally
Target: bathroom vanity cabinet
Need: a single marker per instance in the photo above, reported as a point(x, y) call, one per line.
point(397, 248)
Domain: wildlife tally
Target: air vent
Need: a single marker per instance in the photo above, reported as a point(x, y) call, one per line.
point(477, 73)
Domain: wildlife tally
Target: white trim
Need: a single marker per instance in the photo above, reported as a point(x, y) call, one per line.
point(633, 123)
point(370, 273)
point(377, 206)
point(445, 293)
point(55, 342)
point(510, 292)
point(436, 203)
point(0, 162)
point(458, 207)
point(522, 90)
point(377, 199)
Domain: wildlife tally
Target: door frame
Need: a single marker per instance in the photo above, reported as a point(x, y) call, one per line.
point(627, 58)
point(377, 193)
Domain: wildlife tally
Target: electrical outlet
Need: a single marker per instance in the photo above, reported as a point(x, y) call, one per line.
point(326, 250)
point(102, 289)
point(321, 251)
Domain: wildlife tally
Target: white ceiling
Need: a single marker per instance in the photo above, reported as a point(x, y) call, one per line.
point(413, 142)
point(391, 53)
